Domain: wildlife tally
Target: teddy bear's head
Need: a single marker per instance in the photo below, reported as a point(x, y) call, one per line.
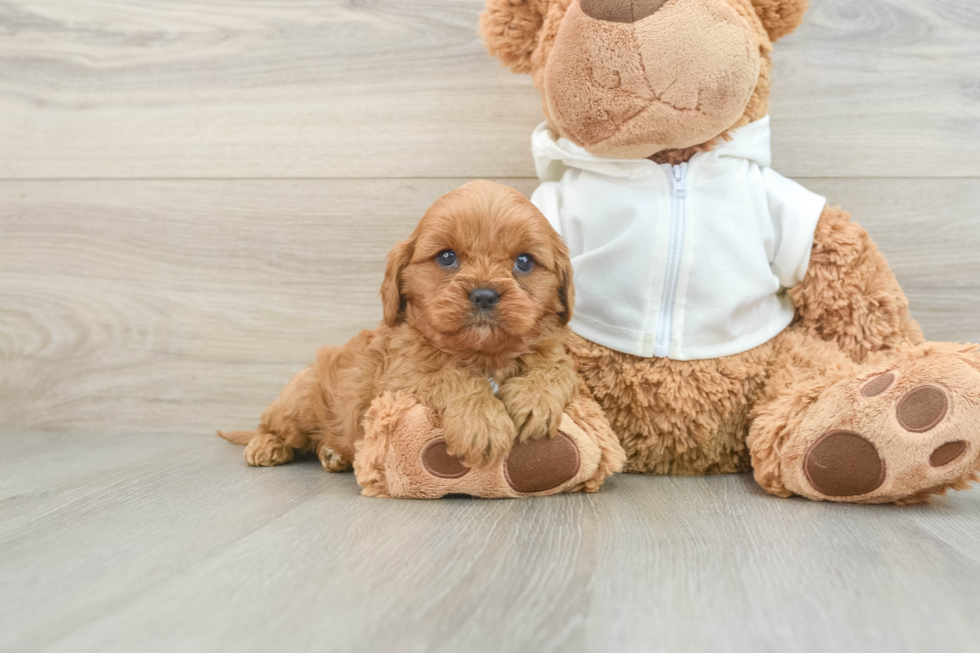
point(643, 78)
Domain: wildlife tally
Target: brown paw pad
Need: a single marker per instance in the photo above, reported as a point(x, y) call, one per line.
point(542, 465)
point(844, 464)
point(878, 386)
point(438, 462)
point(923, 409)
point(947, 453)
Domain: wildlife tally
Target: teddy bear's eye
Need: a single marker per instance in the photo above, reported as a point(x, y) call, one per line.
point(524, 264)
point(447, 259)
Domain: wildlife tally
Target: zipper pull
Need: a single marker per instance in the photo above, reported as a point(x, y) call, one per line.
point(680, 180)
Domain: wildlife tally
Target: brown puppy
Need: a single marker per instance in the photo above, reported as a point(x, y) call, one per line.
point(481, 291)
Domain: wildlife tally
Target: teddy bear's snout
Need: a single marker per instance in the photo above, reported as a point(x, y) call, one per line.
point(623, 87)
point(621, 11)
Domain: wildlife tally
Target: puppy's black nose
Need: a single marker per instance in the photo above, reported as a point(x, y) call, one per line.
point(484, 298)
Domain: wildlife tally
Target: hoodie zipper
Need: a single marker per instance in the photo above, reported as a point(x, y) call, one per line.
point(678, 217)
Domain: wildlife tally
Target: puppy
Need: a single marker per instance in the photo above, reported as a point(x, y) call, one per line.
point(476, 307)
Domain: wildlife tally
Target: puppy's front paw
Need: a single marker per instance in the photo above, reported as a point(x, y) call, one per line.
point(480, 435)
point(536, 414)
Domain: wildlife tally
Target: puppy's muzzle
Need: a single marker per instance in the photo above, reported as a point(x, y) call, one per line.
point(484, 299)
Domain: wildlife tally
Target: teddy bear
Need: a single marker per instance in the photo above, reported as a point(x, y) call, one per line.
point(728, 320)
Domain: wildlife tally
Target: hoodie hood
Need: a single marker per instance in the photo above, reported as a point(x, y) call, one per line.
point(554, 156)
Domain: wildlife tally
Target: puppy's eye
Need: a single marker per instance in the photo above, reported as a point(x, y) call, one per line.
point(524, 264)
point(447, 259)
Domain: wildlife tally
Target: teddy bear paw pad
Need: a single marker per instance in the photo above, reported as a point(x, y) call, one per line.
point(438, 462)
point(844, 464)
point(948, 453)
point(532, 467)
point(542, 465)
point(922, 409)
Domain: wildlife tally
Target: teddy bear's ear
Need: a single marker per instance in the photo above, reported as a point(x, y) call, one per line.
point(510, 30)
point(780, 17)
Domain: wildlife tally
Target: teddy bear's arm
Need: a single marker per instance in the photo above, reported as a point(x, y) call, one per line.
point(849, 294)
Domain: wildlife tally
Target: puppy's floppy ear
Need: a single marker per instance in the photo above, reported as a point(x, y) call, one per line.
point(392, 299)
point(566, 289)
point(780, 17)
point(510, 30)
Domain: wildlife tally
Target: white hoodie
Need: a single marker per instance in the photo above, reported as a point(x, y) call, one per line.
point(686, 262)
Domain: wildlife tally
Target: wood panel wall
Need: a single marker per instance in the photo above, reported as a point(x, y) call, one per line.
point(196, 194)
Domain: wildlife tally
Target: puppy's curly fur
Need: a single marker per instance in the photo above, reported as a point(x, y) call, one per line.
point(439, 346)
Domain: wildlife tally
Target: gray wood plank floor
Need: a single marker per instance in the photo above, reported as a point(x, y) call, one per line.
point(136, 543)
point(195, 195)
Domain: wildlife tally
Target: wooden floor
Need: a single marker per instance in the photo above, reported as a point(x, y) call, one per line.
point(134, 543)
point(195, 195)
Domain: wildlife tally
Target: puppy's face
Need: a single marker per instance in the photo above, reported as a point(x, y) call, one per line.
point(483, 275)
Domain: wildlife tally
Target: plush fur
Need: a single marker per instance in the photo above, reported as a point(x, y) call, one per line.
point(436, 348)
point(397, 430)
point(669, 85)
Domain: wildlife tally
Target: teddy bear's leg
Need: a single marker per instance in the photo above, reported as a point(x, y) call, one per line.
point(588, 416)
point(849, 295)
point(403, 454)
point(897, 429)
point(676, 417)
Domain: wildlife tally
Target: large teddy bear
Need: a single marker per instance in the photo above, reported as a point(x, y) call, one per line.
point(727, 318)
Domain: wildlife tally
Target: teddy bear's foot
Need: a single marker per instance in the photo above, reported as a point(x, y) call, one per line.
point(404, 455)
point(897, 435)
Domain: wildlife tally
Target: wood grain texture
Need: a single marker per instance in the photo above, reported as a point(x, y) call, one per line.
point(125, 544)
point(195, 195)
point(146, 306)
point(387, 88)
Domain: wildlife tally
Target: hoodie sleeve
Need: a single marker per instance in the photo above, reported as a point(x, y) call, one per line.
point(548, 200)
point(795, 212)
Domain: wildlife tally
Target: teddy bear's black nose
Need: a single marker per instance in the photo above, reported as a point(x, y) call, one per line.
point(621, 11)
